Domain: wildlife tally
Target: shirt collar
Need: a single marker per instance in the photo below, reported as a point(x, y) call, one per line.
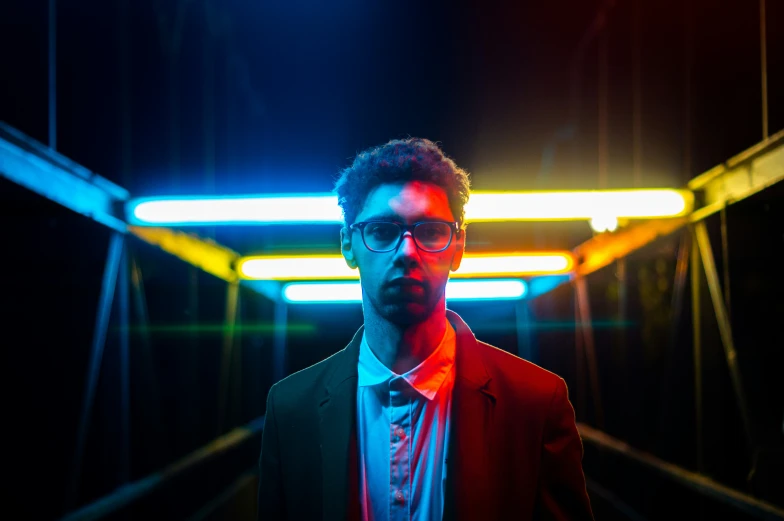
point(426, 378)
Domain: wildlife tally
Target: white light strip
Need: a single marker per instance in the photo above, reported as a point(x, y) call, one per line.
point(482, 206)
point(347, 292)
point(580, 205)
point(237, 210)
point(484, 289)
point(300, 292)
point(323, 267)
point(514, 263)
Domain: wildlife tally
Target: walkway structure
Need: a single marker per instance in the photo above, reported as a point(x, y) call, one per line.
point(38, 168)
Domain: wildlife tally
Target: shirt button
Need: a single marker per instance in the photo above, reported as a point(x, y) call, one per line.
point(400, 433)
point(399, 497)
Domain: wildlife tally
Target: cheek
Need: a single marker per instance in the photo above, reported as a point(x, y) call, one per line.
point(440, 265)
point(369, 268)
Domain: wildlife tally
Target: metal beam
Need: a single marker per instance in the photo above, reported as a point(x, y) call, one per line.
point(146, 359)
point(604, 249)
point(725, 329)
point(36, 167)
point(279, 339)
point(676, 307)
point(123, 289)
point(219, 504)
point(133, 492)
point(741, 176)
point(232, 302)
point(113, 262)
point(525, 348)
point(28, 163)
point(744, 175)
point(202, 253)
point(692, 480)
point(696, 324)
point(585, 326)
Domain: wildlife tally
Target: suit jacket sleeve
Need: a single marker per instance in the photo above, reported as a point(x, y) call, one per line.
point(270, 493)
point(562, 494)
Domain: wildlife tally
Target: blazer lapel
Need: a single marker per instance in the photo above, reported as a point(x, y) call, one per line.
point(337, 412)
point(469, 462)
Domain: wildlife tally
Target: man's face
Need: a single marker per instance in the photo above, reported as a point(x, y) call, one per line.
point(405, 285)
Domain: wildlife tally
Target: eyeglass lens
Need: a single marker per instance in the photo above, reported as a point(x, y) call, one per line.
point(429, 236)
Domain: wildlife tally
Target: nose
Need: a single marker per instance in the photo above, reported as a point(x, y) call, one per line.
point(407, 253)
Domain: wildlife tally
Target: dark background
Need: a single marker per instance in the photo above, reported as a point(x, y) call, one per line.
point(205, 97)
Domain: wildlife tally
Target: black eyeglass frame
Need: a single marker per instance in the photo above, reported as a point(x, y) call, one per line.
point(454, 228)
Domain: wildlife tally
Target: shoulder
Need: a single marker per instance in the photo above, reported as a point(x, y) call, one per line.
point(523, 379)
point(306, 385)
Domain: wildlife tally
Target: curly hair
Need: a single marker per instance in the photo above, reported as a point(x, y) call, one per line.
point(401, 160)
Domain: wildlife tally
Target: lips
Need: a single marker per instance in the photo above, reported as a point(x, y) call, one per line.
point(405, 282)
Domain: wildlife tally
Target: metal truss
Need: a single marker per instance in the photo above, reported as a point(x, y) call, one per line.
point(34, 166)
point(740, 177)
point(692, 480)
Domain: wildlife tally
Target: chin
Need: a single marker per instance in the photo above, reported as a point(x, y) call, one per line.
point(401, 310)
point(406, 314)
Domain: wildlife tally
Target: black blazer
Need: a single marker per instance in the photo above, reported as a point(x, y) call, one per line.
point(514, 450)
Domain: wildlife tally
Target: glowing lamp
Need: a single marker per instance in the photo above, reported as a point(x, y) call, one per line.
point(351, 292)
point(482, 206)
point(264, 209)
point(577, 205)
point(604, 223)
point(333, 267)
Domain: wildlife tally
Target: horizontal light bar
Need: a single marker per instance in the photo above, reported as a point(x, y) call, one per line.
point(263, 209)
point(482, 206)
point(333, 267)
point(578, 205)
point(351, 292)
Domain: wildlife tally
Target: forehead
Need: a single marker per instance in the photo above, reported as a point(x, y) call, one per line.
point(409, 201)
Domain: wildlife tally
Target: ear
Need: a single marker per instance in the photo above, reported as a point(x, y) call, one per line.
point(345, 248)
point(457, 258)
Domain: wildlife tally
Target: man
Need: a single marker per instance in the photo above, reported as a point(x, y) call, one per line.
point(416, 419)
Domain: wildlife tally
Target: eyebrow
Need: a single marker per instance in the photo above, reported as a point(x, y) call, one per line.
point(397, 218)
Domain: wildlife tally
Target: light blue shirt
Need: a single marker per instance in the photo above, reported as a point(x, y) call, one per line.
point(402, 431)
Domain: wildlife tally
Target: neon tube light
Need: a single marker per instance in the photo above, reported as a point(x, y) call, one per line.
point(482, 206)
point(579, 205)
point(333, 267)
point(269, 209)
point(351, 292)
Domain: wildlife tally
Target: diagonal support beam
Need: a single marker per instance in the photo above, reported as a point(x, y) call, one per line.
point(725, 329)
point(232, 303)
point(586, 330)
point(113, 264)
point(28, 163)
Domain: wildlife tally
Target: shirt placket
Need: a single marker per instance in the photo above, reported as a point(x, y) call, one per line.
point(399, 451)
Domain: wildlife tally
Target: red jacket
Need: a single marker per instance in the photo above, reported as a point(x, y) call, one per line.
point(514, 450)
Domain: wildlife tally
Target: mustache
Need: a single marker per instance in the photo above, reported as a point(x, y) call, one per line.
point(405, 280)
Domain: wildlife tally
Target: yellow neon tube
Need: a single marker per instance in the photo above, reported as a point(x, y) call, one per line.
point(333, 267)
point(578, 205)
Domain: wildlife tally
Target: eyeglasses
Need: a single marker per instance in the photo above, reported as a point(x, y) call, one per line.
point(384, 236)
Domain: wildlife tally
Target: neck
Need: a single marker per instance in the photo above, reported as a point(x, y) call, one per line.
point(401, 348)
